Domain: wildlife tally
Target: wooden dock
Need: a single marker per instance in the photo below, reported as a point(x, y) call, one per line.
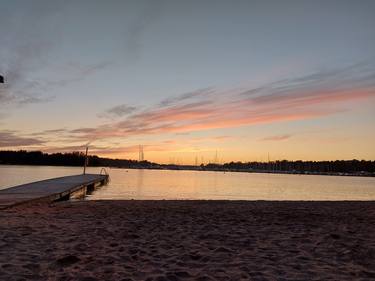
point(51, 190)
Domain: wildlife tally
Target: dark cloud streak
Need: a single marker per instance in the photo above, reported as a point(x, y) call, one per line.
point(187, 96)
point(117, 111)
point(12, 139)
point(277, 138)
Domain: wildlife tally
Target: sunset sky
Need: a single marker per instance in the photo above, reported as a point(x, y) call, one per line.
point(292, 79)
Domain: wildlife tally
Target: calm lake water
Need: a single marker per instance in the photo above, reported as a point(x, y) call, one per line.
point(163, 184)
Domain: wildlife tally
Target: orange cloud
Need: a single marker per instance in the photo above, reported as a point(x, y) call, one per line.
point(227, 114)
point(312, 96)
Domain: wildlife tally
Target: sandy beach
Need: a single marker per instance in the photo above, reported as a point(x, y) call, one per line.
point(188, 240)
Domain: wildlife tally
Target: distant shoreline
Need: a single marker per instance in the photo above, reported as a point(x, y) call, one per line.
point(354, 167)
point(200, 169)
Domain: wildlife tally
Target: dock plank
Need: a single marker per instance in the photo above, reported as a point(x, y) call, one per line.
point(50, 190)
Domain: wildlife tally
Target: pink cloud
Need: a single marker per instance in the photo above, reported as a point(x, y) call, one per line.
point(309, 97)
point(227, 114)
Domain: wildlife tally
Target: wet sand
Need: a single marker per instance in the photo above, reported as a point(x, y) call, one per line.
point(188, 240)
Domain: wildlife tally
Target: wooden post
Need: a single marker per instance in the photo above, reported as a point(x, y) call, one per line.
point(85, 165)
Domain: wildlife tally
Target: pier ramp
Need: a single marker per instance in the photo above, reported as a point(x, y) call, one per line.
point(56, 189)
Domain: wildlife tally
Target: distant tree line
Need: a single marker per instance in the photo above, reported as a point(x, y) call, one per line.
point(336, 166)
point(23, 157)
